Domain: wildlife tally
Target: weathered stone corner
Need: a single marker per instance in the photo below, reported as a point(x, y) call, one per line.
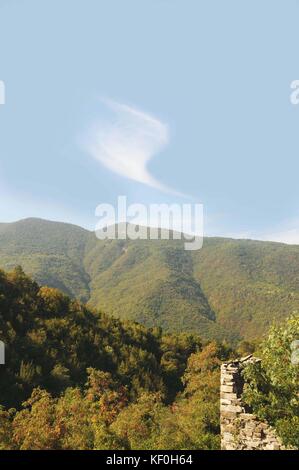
point(241, 430)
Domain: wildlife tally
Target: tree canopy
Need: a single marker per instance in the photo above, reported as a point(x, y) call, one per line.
point(272, 386)
point(75, 378)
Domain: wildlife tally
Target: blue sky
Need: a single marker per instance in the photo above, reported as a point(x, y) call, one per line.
point(204, 85)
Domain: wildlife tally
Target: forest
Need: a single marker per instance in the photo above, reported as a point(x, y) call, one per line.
point(76, 378)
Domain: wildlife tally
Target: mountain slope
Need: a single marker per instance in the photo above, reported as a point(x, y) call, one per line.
point(229, 289)
point(250, 284)
point(152, 282)
point(52, 252)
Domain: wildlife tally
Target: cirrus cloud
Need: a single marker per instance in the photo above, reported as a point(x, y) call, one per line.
point(128, 143)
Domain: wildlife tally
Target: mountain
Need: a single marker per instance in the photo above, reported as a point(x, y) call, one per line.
point(230, 289)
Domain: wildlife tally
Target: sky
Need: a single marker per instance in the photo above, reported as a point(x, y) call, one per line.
point(164, 101)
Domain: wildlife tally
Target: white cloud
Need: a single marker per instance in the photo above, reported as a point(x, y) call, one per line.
point(126, 145)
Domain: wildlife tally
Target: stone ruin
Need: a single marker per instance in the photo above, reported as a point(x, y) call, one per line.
point(2, 352)
point(240, 429)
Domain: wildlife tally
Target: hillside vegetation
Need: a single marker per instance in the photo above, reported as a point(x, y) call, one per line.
point(78, 379)
point(230, 289)
point(272, 385)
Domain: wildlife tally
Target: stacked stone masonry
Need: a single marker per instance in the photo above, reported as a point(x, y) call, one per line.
point(241, 430)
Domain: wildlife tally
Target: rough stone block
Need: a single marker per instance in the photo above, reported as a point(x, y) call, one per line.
point(232, 408)
point(224, 401)
point(228, 396)
point(227, 436)
point(228, 414)
point(227, 388)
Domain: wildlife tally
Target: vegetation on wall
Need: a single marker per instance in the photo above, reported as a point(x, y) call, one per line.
point(272, 386)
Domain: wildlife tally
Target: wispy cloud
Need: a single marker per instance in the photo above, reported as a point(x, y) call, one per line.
point(126, 145)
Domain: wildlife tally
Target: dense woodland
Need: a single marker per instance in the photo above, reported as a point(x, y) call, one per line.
point(75, 378)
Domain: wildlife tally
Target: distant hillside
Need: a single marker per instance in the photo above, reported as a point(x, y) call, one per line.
point(229, 289)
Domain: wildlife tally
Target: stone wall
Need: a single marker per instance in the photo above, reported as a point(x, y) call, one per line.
point(241, 430)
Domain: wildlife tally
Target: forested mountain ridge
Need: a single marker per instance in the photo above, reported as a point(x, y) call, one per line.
point(229, 289)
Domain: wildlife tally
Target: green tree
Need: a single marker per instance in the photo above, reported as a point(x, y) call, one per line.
point(6, 429)
point(272, 386)
point(139, 423)
point(193, 419)
point(34, 427)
